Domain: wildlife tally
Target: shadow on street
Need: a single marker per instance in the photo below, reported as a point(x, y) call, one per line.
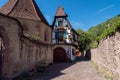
point(54, 70)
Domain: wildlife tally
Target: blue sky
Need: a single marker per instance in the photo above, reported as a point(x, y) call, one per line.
point(82, 14)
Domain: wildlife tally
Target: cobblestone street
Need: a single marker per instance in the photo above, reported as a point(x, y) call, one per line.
point(78, 70)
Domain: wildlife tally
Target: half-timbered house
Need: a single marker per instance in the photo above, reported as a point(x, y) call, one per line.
point(64, 37)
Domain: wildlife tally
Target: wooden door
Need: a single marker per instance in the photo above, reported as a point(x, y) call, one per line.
point(59, 55)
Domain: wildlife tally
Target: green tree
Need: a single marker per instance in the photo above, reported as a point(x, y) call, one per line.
point(90, 39)
point(84, 40)
point(104, 29)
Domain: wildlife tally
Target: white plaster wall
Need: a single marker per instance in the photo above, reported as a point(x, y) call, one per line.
point(54, 41)
point(73, 57)
point(53, 35)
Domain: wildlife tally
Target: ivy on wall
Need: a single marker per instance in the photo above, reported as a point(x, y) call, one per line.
point(37, 36)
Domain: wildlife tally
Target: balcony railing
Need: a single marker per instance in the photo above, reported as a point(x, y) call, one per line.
point(66, 41)
point(61, 28)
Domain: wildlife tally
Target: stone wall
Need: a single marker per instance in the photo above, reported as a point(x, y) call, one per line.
point(33, 27)
point(34, 52)
point(107, 56)
point(22, 53)
point(10, 32)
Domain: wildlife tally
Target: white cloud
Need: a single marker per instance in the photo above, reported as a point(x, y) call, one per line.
point(106, 17)
point(48, 18)
point(104, 9)
point(76, 24)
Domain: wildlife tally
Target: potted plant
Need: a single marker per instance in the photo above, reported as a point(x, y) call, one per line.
point(41, 66)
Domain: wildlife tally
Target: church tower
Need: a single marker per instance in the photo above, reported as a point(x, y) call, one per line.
point(64, 37)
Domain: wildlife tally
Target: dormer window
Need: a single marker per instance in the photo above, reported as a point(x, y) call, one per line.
point(60, 23)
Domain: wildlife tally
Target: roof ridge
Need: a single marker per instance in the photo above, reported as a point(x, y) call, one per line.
point(39, 12)
point(23, 9)
point(13, 7)
point(60, 12)
point(7, 9)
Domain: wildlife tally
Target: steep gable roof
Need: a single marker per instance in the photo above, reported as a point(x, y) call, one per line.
point(8, 7)
point(60, 12)
point(27, 9)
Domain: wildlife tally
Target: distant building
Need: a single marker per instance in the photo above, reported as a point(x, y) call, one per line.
point(64, 37)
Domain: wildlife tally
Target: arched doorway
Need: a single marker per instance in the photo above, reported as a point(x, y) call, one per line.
point(2, 49)
point(59, 54)
point(4, 53)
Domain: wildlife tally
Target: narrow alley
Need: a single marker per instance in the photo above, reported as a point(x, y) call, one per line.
point(78, 70)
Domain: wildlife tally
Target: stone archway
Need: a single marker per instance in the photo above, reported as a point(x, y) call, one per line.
point(4, 53)
point(59, 54)
point(2, 48)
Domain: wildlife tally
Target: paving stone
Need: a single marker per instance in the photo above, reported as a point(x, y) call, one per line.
point(78, 70)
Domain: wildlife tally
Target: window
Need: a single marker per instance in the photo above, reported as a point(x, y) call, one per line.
point(73, 36)
point(65, 34)
point(60, 23)
point(61, 35)
point(60, 19)
point(65, 23)
point(73, 52)
point(56, 35)
point(56, 23)
point(76, 37)
point(46, 35)
point(38, 28)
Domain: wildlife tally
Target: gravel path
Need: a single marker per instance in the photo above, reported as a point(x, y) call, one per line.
point(78, 70)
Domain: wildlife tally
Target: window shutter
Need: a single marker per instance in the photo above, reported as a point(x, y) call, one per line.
point(65, 34)
point(56, 23)
point(56, 35)
point(64, 23)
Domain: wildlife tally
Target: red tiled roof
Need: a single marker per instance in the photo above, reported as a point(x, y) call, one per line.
point(60, 12)
point(27, 9)
point(8, 7)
